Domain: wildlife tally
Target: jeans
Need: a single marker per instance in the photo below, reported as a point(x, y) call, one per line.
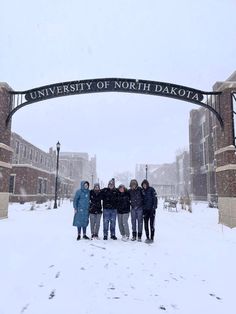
point(149, 217)
point(95, 223)
point(137, 218)
point(109, 216)
point(123, 224)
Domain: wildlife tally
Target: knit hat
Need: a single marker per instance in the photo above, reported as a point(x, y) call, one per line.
point(133, 182)
point(96, 185)
point(111, 182)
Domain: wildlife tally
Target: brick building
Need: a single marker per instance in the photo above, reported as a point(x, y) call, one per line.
point(202, 161)
point(183, 186)
point(33, 172)
point(79, 167)
point(161, 177)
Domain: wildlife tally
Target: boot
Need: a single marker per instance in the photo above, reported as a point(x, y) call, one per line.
point(85, 237)
point(78, 237)
point(139, 237)
point(134, 236)
point(152, 235)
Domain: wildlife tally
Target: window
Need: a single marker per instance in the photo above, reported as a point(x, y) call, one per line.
point(234, 115)
point(12, 184)
point(45, 185)
point(31, 154)
point(17, 147)
point(40, 185)
point(25, 150)
point(201, 155)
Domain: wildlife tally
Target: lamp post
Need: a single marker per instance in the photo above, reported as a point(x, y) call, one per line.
point(92, 179)
point(56, 182)
point(146, 168)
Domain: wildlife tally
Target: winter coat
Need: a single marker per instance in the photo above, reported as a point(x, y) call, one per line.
point(95, 206)
point(149, 198)
point(81, 204)
point(136, 198)
point(109, 198)
point(123, 202)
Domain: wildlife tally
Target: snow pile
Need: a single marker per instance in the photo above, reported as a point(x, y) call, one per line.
point(189, 269)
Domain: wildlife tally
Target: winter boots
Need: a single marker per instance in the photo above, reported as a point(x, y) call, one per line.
point(139, 237)
point(134, 235)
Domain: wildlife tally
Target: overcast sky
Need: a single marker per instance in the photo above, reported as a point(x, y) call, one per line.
point(186, 42)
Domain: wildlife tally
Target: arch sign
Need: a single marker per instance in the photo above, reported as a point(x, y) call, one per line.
point(209, 100)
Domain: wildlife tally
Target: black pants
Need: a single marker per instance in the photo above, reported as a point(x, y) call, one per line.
point(149, 218)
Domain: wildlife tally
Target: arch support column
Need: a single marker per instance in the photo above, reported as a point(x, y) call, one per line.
point(225, 155)
point(5, 149)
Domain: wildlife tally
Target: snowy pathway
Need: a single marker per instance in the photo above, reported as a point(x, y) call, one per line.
point(43, 269)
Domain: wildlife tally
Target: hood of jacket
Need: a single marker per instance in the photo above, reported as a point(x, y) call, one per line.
point(134, 182)
point(82, 185)
point(145, 182)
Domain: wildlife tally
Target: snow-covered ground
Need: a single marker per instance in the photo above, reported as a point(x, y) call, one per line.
point(191, 267)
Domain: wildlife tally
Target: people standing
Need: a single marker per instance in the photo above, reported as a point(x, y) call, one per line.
point(81, 209)
point(95, 210)
point(109, 198)
point(123, 210)
point(136, 199)
point(149, 210)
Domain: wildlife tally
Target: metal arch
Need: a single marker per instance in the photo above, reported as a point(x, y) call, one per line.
point(209, 100)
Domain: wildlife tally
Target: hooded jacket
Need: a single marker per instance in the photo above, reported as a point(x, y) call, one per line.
point(109, 197)
point(95, 206)
point(136, 195)
point(81, 204)
point(123, 202)
point(149, 197)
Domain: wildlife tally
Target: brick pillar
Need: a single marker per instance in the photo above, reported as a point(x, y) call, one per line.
point(225, 157)
point(5, 149)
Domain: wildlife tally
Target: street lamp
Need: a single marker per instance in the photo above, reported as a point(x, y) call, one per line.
point(92, 179)
point(58, 145)
point(146, 168)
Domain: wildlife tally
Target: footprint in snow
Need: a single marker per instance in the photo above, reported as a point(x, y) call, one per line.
point(162, 308)
point(52, 294)
point(213, 295)
point(24, 308)
point(174, 306)
point(57, 274)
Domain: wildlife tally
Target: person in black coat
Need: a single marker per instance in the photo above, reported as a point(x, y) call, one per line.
point(149, 210)
point(136, 199)
point(109, 198)
point(95, 210)
point(123, 210)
